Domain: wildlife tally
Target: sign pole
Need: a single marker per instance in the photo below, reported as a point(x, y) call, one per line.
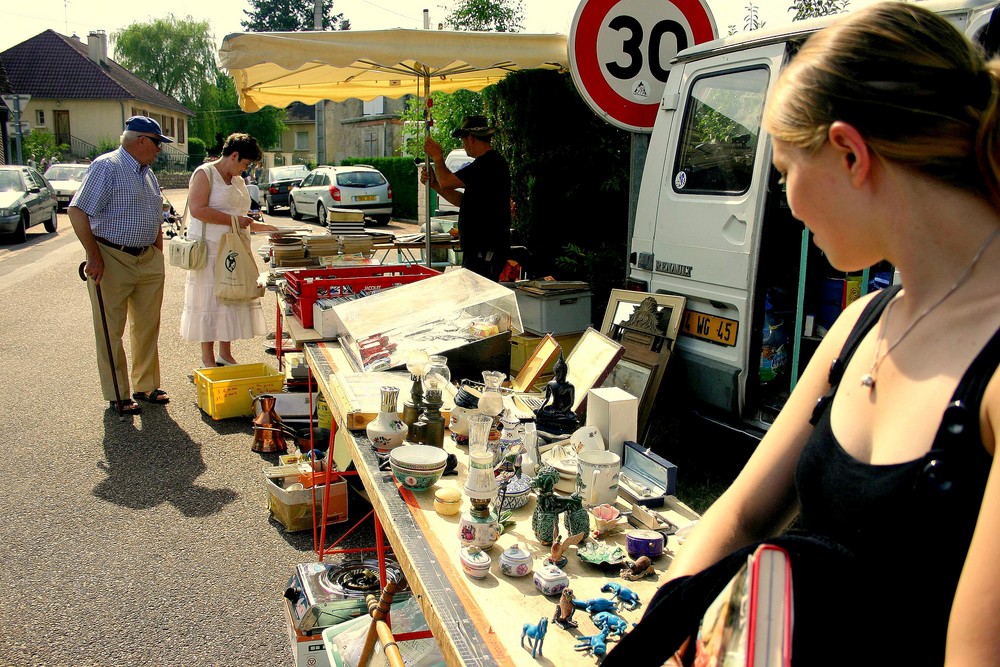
point(17, 121)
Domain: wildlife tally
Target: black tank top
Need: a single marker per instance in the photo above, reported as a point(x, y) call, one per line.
point(908, 525)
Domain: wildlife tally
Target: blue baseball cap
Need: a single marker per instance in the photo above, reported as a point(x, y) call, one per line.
point(147, 126)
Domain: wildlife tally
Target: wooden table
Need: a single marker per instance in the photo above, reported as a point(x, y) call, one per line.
point(405, 251)
point(475, 622)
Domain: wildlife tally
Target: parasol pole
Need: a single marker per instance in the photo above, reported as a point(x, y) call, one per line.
point(430, 169)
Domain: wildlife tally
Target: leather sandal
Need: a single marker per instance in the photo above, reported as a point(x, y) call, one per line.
point(157, 396)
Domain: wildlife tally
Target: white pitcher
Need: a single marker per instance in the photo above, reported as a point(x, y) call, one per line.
point(597, 479)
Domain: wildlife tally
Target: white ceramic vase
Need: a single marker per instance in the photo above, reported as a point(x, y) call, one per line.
point(387, 431)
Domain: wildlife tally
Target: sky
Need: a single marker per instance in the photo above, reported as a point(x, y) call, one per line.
point(25, 19)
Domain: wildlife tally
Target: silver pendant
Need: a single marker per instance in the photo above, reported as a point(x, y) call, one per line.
point(867, 380)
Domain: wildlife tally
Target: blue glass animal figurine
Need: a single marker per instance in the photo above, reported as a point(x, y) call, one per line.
point(596, 605)
point(614, 624)
point(596, 644)
point(625, 596)
point(535, 634)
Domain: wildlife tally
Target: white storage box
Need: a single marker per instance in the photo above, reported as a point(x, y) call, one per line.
point(558, 313)
point(615, 413)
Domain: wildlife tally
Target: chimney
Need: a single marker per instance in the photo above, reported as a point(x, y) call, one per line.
point(97, 47)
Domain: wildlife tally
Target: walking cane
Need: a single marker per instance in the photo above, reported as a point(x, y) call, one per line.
point(107, 341)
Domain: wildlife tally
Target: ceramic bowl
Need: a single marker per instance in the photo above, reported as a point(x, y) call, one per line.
point(518, 494)
point(418, 457)
point(475, 562)
point(587, 437)
point(601, 553)
point(416, 480)
point(447, 501)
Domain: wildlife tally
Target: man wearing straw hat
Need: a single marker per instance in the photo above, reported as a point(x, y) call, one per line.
point(484, 207)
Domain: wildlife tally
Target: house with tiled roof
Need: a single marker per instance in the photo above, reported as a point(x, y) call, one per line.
point(82, 96)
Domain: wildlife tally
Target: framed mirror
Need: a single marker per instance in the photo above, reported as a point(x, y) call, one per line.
point(646, 325)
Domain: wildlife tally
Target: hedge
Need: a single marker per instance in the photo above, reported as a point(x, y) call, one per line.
point(401, 172)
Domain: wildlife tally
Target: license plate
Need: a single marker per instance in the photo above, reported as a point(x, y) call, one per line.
point(721, 330)
point(365, 198)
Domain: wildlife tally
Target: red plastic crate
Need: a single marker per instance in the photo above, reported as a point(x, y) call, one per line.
point(305, 286)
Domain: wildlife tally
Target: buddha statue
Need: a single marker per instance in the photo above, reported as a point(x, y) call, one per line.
point(556, 416)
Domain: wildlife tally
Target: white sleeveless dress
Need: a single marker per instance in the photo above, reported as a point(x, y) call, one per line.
point(204, 318)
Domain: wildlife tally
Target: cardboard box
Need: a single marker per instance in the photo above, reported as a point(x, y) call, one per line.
point(562, 312)
point(226, 391)
point(307, 650)
point(294, 509)
point(523, 345)
point(615, 412)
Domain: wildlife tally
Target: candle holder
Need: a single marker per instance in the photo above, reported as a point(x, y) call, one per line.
point(416, 362)
point(431, 423)
point(478, 527)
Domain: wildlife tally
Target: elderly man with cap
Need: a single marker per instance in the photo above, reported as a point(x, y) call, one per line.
point(484, 207)
point(116, 214)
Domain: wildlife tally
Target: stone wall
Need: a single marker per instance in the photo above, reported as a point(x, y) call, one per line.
point(173, 180)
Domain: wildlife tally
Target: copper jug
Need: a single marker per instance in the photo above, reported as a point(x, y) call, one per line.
point(268, 434)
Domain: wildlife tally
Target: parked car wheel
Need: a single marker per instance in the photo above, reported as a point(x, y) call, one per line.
point(381, 219)
point(268, 205)
point(53, 222)
point(20, 234)
point(292, 211)
point(321, 214)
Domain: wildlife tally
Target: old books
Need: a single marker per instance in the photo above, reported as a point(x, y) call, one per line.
point(750, 623)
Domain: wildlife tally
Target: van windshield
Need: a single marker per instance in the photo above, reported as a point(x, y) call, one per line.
point(719, 137)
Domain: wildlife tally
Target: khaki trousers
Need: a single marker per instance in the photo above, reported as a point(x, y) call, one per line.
point(132, 288)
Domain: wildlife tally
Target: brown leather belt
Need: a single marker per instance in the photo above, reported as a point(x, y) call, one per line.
point(131, 250)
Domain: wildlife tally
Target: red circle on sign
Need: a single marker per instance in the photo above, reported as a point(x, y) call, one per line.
point(591, 75)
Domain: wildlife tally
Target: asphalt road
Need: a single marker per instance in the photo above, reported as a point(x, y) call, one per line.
point(138, 542)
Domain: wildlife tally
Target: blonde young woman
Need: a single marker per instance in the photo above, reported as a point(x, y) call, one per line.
point(217, 193)
point(885, 130)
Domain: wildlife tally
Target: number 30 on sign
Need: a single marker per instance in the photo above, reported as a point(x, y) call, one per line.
point(620, 52)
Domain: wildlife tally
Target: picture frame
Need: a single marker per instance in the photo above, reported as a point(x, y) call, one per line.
point(590, 362)
point(647, 325)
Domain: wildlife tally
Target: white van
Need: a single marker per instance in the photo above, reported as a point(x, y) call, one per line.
point(455, 160)
point(712, 225)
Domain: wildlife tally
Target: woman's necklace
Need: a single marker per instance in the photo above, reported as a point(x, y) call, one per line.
point(868, 379)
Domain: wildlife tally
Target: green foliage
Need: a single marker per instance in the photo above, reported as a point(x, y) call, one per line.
point(173, 55)
point(290, 15)
point(487, 15)
point(40, 144)
point(196, 152)
point(752, 20)
point(805, 9)
point(602, 265)
point(104, 145)
point(402, 176)
point(265, 125)
point(569, 172)
point(448, 111)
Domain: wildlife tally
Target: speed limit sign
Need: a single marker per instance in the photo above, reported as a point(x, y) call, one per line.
point(620, 52)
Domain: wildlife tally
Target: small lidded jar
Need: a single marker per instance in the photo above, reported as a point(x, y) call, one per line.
point(515, 561)
point(447, 501)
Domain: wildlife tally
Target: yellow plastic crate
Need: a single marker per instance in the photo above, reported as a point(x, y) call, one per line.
point(225, 391)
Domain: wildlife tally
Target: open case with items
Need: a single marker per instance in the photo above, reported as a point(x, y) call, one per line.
point(435, 315)
point(646, 478)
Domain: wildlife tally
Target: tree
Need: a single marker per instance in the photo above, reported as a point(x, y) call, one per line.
point(806, 9)
point(290, 15)
point(265, 125)
point(487, 15)
point(449, 109)
point(174, 55)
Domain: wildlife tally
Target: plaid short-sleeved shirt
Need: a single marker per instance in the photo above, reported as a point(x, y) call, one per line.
point(122, 199)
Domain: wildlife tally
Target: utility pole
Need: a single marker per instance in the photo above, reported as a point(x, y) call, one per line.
point(320, 106)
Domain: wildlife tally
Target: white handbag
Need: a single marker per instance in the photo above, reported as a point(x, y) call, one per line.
point(185, 253)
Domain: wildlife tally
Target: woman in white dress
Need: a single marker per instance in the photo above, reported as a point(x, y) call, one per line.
point(216, 194)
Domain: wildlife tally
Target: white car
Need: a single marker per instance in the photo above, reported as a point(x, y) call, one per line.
point(455, 160)
point(65, 180)
point(358, 187)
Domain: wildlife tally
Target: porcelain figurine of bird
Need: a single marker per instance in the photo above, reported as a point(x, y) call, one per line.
point(557, 553)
